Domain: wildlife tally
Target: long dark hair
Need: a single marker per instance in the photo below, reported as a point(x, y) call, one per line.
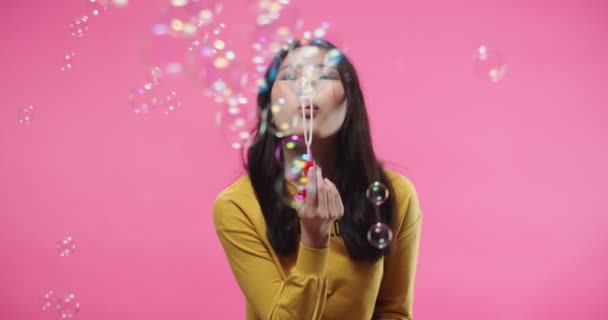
point(356, 168)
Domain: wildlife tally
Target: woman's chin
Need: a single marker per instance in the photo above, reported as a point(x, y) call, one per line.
point(316, 133)
point(324, 135)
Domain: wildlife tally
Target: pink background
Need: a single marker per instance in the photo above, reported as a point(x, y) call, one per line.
point(511, 176)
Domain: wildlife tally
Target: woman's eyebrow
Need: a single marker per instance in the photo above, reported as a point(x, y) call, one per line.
point(300, 66)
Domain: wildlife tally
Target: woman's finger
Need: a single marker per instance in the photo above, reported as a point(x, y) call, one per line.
point(339, 205)
point(332, 202)
point(338, 202)
point(311, 188)
point(322, 191)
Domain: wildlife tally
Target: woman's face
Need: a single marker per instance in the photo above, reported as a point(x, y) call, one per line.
point(308, 78)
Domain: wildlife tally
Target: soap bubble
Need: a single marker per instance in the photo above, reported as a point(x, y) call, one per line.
point(489, 64)
point(120, 3)
point(379, 235)
point(66, 246)
point(96, 7)
point(46, 300)
point(377, 193)
point(291, 187)
point(79, 27)
point(68, 61)
point(290, 147)
point(217, 67)
point(26, 114)
point(68, 306)
point(292, 156)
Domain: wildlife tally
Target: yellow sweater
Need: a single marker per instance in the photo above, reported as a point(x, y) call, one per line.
point(318, 283)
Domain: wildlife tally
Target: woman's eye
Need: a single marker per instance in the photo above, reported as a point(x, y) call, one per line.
point(329, 77)
point(288, 77)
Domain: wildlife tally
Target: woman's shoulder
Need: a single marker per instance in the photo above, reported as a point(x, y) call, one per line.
point(239, 189)
point(406, 199)
point(401, 184)
point(237, 201)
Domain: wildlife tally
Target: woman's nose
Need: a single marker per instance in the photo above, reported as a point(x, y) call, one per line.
point(306, 86)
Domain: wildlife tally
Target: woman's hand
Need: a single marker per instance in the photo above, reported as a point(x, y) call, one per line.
point(322, 207)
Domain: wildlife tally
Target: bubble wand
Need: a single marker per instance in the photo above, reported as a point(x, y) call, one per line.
point(306, 96)
point(306, 92)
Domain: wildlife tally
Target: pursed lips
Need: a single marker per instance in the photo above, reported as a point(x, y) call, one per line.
point(311, 111)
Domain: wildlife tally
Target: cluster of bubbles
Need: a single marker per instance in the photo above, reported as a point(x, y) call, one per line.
point(151, 96)
point(168, 51)
point(66, 305)
point(191, 36)
point(235, 81)
point(181, 24)
point(148, 96)
point(191, 33)
point(79, 26)
point(379, 234)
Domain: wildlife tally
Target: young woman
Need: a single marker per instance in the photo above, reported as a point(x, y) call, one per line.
point(316, 261)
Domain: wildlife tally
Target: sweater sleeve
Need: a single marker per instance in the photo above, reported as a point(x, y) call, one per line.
point(301, 295)
point(396, 297)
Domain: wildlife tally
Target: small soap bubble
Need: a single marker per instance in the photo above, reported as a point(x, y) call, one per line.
point(379, 235)
point(80, 26)
point(489, 64)
point(68, 306)
point(46, 300)
point(120, 3)
point(377, 193)
point(96, 7)
point(66, 246)
point(68, 61)
point(26, 114)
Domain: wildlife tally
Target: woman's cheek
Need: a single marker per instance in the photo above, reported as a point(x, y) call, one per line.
point(337, 93)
